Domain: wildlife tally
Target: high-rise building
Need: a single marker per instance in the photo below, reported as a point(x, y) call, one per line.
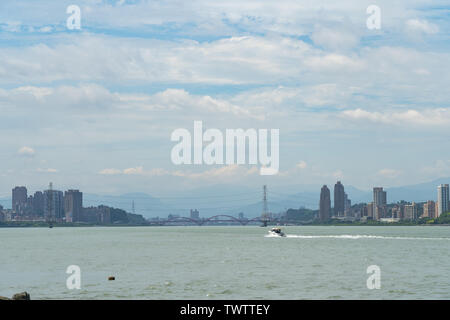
point(379, 196)
point(195, 214)
point(429, 209)
point(363, 211)
point(19, 199)
point(379, 212)
point(370, 210)
point(443, 199)
point(324, 204)
point(73, 205)
point(347, 205)
point(53, 204)
point(410, 212)
point(30, 200)
point(38, 203)
point(339, 199)
point(379, 203)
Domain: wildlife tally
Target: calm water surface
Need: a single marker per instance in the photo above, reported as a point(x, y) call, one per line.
point(226, 262)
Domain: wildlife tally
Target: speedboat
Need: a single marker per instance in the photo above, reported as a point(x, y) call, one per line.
point(277, 232)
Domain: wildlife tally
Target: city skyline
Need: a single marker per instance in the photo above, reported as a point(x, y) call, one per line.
point(55, 205)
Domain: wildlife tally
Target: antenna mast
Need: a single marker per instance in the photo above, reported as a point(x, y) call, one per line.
point(50, 208)
point(265, 213)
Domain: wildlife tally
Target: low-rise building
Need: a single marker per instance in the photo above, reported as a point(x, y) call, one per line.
point(100, 214)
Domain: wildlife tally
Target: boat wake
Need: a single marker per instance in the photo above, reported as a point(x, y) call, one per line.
point(353, 237)
point(273, 236)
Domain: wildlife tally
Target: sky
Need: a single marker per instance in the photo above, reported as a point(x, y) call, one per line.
point(94, 108)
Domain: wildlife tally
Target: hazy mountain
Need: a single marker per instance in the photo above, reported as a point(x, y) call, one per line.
point(419, 192)
point(143, 203)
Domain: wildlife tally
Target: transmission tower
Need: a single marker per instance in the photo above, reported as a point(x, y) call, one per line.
point(265, 213)
point(132, 207)
point(50, 204)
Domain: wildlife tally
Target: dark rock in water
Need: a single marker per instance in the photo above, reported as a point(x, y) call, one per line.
point(21, 296)
point(111, 278)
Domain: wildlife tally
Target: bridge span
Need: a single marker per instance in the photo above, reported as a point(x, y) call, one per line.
point(222, 219)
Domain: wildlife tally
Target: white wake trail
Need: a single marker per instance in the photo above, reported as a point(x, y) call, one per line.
point(354, 237)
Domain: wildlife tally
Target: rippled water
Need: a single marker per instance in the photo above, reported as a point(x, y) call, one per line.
point(226, 262)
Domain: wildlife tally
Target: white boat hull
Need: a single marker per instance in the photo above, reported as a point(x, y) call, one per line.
point(276, 234)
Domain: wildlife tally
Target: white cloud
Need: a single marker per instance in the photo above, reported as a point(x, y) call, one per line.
point(301, 165)
point(334, 62)
point(334, 38)
point(218, 17)
point(95, 98)
point(46, 29)
point(47, 170)
point(137, 170)
point(429, 117)
point(338, 174)
point(404, 73)
point(83, 97)
point(440, 168)
point(421, 26)
point(13, 26)
point(179, 99)
point(110, 171)
point(223, 172)
point(389, 173)
point(234, 60)
point(26, 151)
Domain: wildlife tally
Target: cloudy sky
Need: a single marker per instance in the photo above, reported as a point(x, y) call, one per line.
point(94, 108)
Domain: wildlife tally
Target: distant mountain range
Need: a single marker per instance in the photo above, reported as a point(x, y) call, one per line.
point(229, 199)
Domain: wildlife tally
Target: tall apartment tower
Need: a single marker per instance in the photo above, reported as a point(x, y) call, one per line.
point(443, 199)
point(429, 209)
point(53, 204)
point(379, 196)
point(73, 205)
point(339, 199)
point(347, 205)
point(19, 199)
point(370, 210)
point(38, 203)
point(410, 212)
point(325, 204)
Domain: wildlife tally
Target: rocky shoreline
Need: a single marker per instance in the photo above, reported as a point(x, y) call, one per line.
point(18, 296)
